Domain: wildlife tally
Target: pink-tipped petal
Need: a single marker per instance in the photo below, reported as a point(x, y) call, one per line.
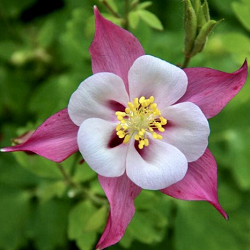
point(121, 193)
point(55, 139)
point(211, 89)
point(200, 183)
point(113, 48)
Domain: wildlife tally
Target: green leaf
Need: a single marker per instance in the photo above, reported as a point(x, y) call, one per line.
point(199, 226)
point(227, 194)
point(46, 34)
point(148, 226)
point(242, 12)
point(96, 187)
point(97, 220)
point(75, 41)
point(237, 44)
point(38, 165)
point(237, 155)
point(151, 19)
point(13, 175)
point(134, 19)
point(87, 240)
point(126, 240)
point(143, 32)
point(62, 87)
point(146, 200)
point(15, 213)
point(49, 225)
point(144, 5)
point(16, 89)
point(78, 217)
point(7, 48)
point(48, 190)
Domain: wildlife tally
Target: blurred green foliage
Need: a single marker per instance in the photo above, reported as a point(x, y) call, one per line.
point(43, 58)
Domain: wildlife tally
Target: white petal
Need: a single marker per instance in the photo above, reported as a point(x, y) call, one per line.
point(160, 165)
point(93, 140)
point(94, 96)
point(188, 130)
point(152, 76)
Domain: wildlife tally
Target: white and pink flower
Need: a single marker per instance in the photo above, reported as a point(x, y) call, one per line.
point(139, 122)
point(158, 136)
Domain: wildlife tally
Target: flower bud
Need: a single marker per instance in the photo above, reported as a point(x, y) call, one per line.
point(201, 39)
point(190, 25)
point(201, 20)
point(206, 11)
point(197, 5)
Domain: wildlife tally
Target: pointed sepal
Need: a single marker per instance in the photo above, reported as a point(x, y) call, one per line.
point(200, 183)
point(55, 139)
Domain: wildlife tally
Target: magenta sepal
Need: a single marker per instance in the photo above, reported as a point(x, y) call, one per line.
point(55, 139)
point(211, 89)
point(200, 183)
point(121, 192)
point(113, 48)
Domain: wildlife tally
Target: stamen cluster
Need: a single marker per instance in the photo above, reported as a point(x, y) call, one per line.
point(140, 117)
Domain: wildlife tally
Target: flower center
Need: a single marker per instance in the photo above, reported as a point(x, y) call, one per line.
point(139, 119)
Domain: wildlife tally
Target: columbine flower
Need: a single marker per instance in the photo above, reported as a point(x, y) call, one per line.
point(158, 137)
point(139, 122)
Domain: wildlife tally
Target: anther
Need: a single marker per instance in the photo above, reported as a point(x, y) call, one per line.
point(140, 119)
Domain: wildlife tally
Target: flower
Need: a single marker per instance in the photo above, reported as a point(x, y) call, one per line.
point(158, 137)
point(202, 92)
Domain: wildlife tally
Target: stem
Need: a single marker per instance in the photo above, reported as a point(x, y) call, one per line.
point(96, 199)
point(134, 5)
point(109, 8)
point(93, 197)
point(186, 62)
point(66, 176)
point(126, 12)
point(74, 164)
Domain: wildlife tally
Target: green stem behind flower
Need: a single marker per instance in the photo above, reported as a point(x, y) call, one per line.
point(126, 13)
point(186, 62)
point(110, 9)
point(100, 201)
point(198, 26)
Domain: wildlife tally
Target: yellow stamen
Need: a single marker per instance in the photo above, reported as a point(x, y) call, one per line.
point(126, 139)
point(118, 127)
point(119, 117)
point(142, 99)
point(140, 119)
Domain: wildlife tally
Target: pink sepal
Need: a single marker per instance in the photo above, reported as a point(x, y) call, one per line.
point(200, 183)
point(121, 193)
point(211, 89)
point(55, 139)
point(113, 48)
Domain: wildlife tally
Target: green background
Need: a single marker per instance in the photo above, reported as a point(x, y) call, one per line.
point(43, 58)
